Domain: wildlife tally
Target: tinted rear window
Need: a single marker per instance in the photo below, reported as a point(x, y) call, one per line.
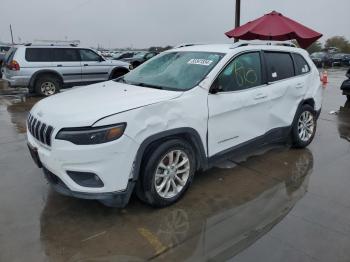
point(279, 66)
point(65, 55)
point(301, 66)
point(38, 54)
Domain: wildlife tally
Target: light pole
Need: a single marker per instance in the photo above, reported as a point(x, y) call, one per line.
point(237, 15)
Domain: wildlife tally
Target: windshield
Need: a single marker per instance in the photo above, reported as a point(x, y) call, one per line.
point(174, 71)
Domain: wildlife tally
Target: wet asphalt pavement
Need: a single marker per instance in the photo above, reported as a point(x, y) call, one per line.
point(279, 204)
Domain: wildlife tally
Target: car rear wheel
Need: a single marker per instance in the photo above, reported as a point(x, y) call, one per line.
point(47, 85)
point(304, 128)
point(166, 174)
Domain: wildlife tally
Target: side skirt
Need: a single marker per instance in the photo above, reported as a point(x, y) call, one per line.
point(274, 136)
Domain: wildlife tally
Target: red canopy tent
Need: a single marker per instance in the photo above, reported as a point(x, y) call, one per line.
point(275, 26)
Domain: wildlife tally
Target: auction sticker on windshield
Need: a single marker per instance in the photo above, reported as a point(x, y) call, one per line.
point(200, 62)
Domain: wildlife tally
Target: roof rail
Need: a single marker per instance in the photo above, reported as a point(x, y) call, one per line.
point(53, 43)
point(267, 42)
point(188, 44)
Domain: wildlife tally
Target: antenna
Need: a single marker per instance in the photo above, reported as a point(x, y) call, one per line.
point(11, 35)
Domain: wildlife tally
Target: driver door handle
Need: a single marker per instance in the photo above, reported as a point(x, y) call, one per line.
point(299, 85)
point(86, 64)
point(260, 96)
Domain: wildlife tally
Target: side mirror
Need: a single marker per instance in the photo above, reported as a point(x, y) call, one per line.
point(101, 59)
point(215, 88)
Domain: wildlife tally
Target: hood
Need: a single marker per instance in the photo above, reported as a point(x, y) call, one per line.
point(117, 62)
point(83, 106)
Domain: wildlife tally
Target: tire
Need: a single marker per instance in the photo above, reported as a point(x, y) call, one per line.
point(47, 85)
point(168, 186)
point(304, 127)
point(136, 64)
point(117, 73)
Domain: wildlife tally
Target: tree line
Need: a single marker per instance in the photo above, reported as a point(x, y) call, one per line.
point(339, 42)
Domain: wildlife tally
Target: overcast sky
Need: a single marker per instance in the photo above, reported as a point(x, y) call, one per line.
point(144, 23)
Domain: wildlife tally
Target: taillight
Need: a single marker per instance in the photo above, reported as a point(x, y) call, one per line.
point(13, 65)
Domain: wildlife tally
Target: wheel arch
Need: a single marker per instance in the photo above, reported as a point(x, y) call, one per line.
point(308, 101)
point(40, 73)
point(189, 135)
point(116, 69)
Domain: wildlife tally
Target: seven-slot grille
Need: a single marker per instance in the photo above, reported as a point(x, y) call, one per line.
point(39, 130)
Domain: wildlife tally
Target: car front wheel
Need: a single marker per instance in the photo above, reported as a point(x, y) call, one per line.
point(167, 173)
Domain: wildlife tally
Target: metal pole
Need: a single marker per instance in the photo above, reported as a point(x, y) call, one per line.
point(11, 35)
point(238, 15)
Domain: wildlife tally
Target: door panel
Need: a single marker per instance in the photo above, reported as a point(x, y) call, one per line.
point(286, 90)
point(66, 61)
point(238, 112)
point(236, 117)
point(94, 67)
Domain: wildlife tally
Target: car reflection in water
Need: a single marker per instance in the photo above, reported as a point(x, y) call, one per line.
point(18, 109)
point(344, 121)
point(225, 211)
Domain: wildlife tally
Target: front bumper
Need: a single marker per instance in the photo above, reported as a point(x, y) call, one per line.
point(114, 199)
point(111, 162)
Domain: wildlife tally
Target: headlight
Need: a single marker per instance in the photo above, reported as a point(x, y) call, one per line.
point(91, 135)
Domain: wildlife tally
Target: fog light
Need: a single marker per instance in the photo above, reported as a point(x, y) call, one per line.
point(85, 179)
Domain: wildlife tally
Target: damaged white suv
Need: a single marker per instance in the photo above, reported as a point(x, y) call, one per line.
point(152, 129)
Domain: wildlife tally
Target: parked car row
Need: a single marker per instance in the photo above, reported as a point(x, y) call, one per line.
point(326, 59)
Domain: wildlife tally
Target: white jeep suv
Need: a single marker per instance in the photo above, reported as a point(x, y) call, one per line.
point(150, 130)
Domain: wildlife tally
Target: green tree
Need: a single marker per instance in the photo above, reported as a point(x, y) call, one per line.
point(315, 47)
point(339, 42)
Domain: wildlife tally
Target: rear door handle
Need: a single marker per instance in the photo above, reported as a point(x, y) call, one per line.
point(59, 65)
point(260, 96)
point(86, 65)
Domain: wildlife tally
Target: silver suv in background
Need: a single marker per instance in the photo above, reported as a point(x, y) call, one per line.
point(47, 69)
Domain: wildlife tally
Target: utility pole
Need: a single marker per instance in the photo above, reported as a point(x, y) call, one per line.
point(237, 15)
point(11, 35)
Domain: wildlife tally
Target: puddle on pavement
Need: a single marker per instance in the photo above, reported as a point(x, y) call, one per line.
point(18, 108)
point(225, 211)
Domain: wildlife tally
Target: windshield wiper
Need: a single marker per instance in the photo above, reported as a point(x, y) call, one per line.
point(148, 85)
point(120, 79)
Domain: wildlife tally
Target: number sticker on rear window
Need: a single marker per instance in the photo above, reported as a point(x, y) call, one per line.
point(200, 62)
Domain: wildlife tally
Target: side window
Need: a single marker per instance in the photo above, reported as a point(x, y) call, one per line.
point(65, 55)
point(301, 66)
point(89, 55)
point(242, 73)
point(38, 54)
point(279, 66)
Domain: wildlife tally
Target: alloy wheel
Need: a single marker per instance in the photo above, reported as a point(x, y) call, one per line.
point(306, 126)
point(172, 173)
